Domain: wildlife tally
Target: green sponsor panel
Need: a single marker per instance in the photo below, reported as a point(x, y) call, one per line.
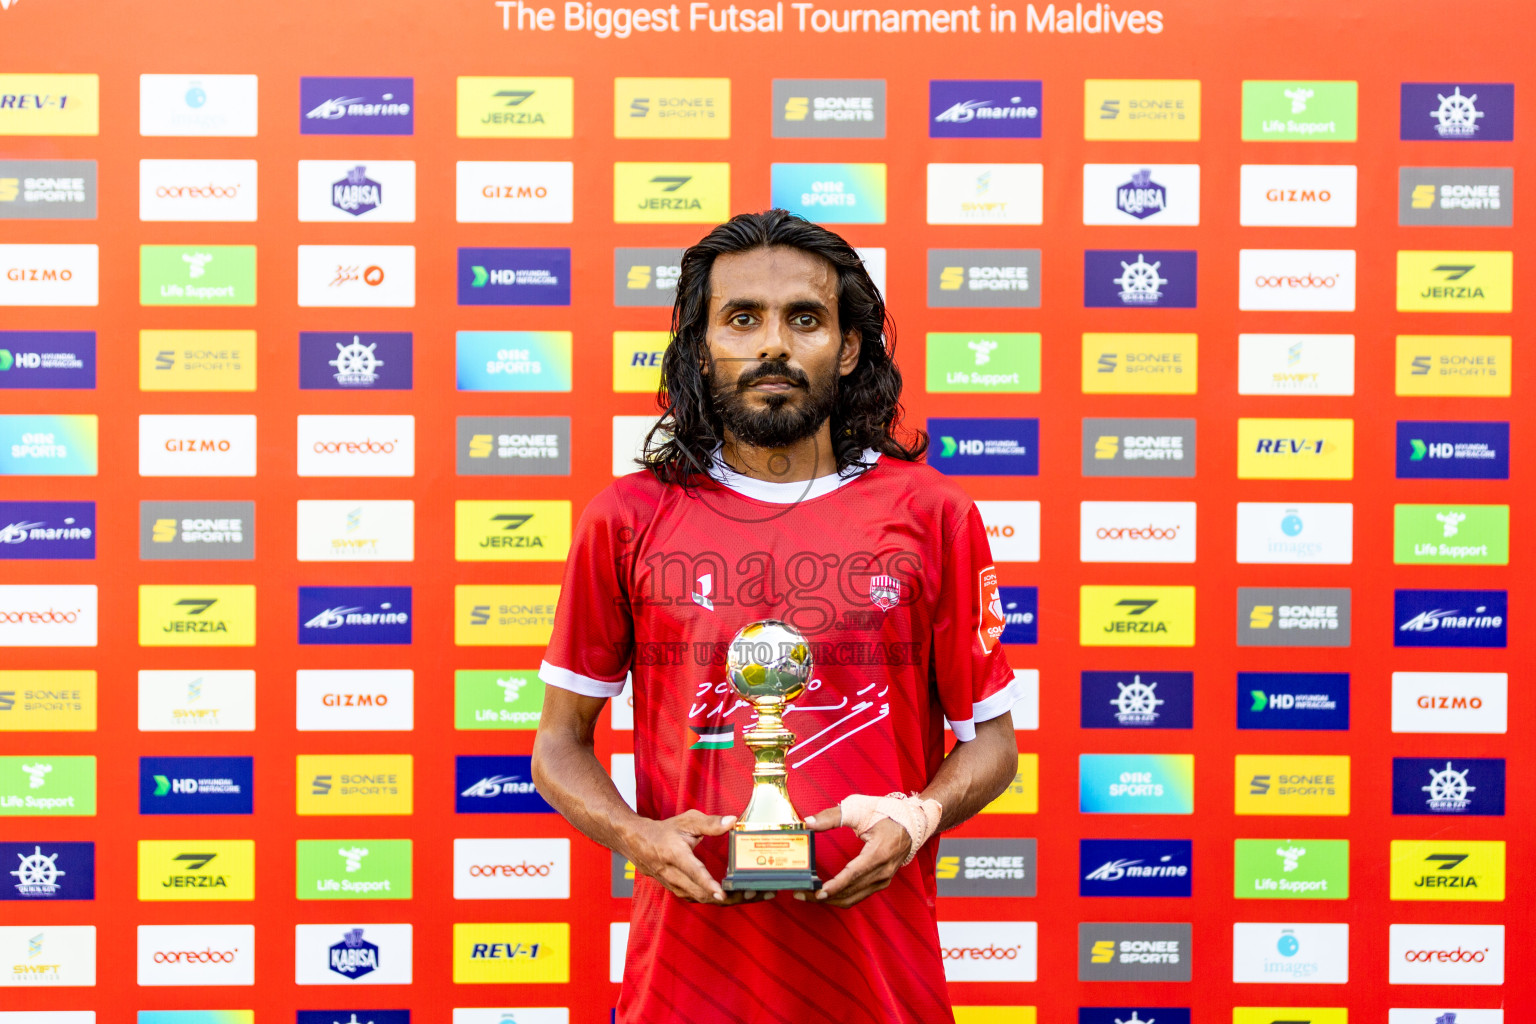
point(507, 699)
point(1300, 111)
point(1291, 869)
point(987, 363)
point(197, 275)
point(1450, 534)
point(354, 869)
point(42, 785)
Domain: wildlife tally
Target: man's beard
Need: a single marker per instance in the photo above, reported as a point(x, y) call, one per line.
point(778, 422)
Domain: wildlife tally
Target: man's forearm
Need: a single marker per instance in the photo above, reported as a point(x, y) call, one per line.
point(976, 772)
point(569, 776)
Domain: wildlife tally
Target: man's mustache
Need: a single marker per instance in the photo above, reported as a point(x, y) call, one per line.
point(793, 374)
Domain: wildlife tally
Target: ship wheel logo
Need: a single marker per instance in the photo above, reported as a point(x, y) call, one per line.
point(38, 875)
point(355, 363)
point(1138, 702)
point(1448, 789)
point(1457, 115)
point(1140, 284)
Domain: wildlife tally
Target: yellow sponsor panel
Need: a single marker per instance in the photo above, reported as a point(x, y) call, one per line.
point(197, 615)
point(354, 783)
point(1140, 364)
point(1291, 784)
point(197, 360)
point(1290, 1015)
point(511, 531)
point(1452, 869)
point(514, 615)
point(1433, 281)
point(1023, 794)
point(1454, 365)
point(511, 954)
point(637, 360)
point(48, 701)
point(665, 193)
point(1311, 449)
point(50, 104)
point(197, 869)
point(1141, 108)
point(1136, 616)
point(492, 107)
point(994, 1015)
point(671, 108)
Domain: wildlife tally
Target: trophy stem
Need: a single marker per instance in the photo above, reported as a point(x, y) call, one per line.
point(770, 806)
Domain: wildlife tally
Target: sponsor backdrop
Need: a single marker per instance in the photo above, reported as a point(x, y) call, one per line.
point(317, 333)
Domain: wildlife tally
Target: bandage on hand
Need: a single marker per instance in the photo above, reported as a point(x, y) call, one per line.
point(920, 818)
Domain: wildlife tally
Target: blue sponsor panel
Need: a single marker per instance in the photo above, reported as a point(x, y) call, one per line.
point(195, 785)
point(1135, 867)
point(1136, 783)
point(354, 615)
point(985, 447)
point(1450, 618)
point(48, 359)
point(984, 109)
point(1126, 1014)
point(514, 277)
point(41, 872)
point(357, 106)
point(1021, 614)
point(1138, 700)
point(1293, 700)
point(355, 360)
point(1139, 279)
point(1458, 111)
point(362, 1017)
point(496, 785)
point(1448, 786)
point(1446, 450)
point(47, 529)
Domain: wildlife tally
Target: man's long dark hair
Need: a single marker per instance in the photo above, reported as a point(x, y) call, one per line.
point(868, 410)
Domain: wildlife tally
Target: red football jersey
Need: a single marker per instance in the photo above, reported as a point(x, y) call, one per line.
point(889, 576)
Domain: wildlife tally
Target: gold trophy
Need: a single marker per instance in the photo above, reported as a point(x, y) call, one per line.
point(769, 663)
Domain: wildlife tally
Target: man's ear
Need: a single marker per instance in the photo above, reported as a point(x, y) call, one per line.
point(848, 356)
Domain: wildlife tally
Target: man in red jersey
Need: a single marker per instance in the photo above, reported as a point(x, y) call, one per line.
point(777, 484)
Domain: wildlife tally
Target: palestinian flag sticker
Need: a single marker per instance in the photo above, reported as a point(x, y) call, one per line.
point(714, 737)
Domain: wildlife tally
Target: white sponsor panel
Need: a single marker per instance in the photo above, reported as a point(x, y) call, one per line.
point(511, 869)
point(509, 1015)
point(356, 531)
point(215, 700)
point(1445, 954)
point(515, 191)
point(357, 191)
point(1026, 713)
point(1295, 364)
point(1320, 280)
point(621, 709)
point(1013, 529)
point(988, 950)
point(1436, 1015)
point(874, 263)
point(47, 1017)
point(1450, 702)
point(355, 700)
point(357, 446)
point(1295, 533)
point(357, 275)
point(206, 445)
point(208, 105)
point(48, 274)
point(622, 768)
point(985, 193)
point(618, 944)
point(1297, 195)
point(48, 615)
point(197, 954)
point(1306, 954)
point(336, 954)
point(221, 190)
point(1141, 194)
point(1137, 531)
point(628, 440)
point(46, 956)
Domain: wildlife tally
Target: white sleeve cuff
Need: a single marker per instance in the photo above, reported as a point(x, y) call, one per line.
point(988, 708)
point(564, 678)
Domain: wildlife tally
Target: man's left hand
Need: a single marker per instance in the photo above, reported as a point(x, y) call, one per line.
point(885, 849)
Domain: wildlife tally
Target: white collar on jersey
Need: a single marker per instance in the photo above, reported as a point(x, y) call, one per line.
point(782, 493)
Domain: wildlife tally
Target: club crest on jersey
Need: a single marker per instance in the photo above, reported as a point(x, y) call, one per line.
point(884, 592)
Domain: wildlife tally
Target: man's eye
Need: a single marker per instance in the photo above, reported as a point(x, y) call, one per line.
point(805, 320)
point(742, 320)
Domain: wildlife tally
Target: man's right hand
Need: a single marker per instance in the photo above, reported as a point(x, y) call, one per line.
point(663, 850)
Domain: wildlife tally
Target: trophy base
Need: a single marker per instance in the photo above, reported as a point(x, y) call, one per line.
point(770, 860)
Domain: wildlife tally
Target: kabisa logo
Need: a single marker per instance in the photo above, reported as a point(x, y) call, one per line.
point(1020, 615)
point(1456, 196)
point(1451, 618)
point(347, 192)
point(1293, 700)
point(1135, 867)
point(354, 615)
point(56, 360)
point(984, 278)
point(828, 108)
point(47, 189)
point(986, 867)
point(357, 106)
point(1293, 616)
point(1291, 784)
point(1136, 783)
point(1455, 281)
point(1286, 953)
point(1291, 869)
point(515, 108)
point(44, 871)
point(1134, 195)
point(197, 530)
point(983, 109)
point(1439, 869)
point(195, 785)
point(1138, 700)
point(1141, 197)
point(496, 785)
point(987, 447)
point(514, 277)
point(1440, 786)
point(357, 194)
point(47, 529)
point(1118, 951)
point(353, 956)
point(1450, 450)
point(355, 361)
point(646, 277)
point(1139, 279)
point(1458, 111)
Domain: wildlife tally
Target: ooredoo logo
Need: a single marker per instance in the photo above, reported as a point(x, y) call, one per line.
point(48, 615)
point(511, 869)
point(1296, 279)
point(196, 954)
point(197, 190)
point(357, 446)
point(1446, 954)
point(988, 950)
point(1137, 531)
